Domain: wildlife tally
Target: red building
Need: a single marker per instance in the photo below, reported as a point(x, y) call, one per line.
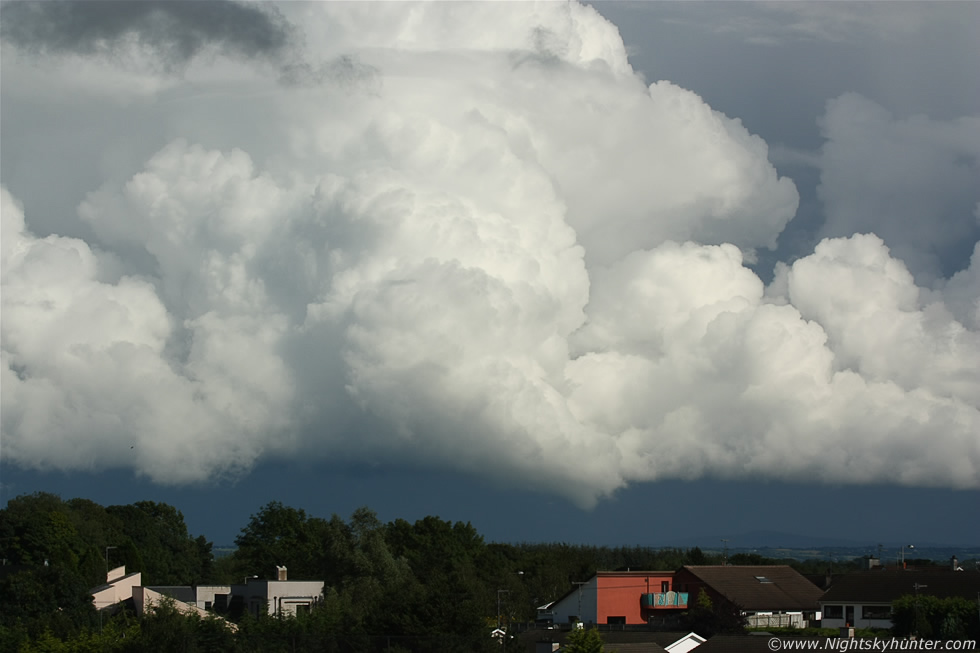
point(618, 597)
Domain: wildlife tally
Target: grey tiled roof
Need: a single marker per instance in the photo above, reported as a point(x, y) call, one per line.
point(783, 589)
point(886, 586)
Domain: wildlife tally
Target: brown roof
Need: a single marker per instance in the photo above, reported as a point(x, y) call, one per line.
point(638, 647)
point(763, 587)
point(623, 641)
point(637, 573)
point(659, 638)
point(886, 586)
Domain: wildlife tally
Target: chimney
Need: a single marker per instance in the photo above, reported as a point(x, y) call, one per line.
point(280, 573)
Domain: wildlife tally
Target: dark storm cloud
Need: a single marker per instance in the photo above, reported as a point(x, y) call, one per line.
point(177, 31)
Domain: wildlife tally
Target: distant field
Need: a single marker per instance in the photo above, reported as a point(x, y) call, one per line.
point(222, 551)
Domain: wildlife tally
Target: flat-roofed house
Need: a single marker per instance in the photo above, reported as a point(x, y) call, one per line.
point(279, 596)
point(619, 597)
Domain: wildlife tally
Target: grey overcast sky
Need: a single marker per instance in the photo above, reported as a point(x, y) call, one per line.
point(619, 273)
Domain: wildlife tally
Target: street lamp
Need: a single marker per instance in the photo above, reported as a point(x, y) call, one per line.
point(247, 577)
point(911, 547)
point(107, 561)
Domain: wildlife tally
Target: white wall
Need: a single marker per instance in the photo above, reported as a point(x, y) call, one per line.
point(121, 588)
point(204, 594)
point(284, 595)
point(569, 605)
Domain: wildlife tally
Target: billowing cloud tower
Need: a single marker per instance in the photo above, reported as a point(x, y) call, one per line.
point(461, 235)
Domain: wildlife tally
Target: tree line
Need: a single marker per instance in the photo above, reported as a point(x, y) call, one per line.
point(429, 585)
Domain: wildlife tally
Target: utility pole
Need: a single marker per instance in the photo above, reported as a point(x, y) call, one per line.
point(915, 624)
point(499, 592)
point(725, 552)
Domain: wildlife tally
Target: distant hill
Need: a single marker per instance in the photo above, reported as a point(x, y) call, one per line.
point(779, 545)
point(765, 540)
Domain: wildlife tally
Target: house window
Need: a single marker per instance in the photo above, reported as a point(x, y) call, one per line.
point(664, 586)
point(876, 612)
point(616, 620)
point(303, 608)
point(833, 612)
point(207, 605)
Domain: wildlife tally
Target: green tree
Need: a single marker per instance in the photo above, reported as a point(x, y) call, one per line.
point(932, 617)
point(98, 529)
point(156, 534)
point(708, 619)
point(52, 599)
point(749, 559)
point(279, 535)
point(165, 629)
point(584, 640)
point(450, 598)
point(695, 557)
point(37, 529)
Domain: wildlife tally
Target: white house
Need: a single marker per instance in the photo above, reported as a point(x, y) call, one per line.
point(119, 587)
point(864, 599)
point(280, 596)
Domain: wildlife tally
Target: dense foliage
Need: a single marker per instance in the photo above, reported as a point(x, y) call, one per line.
point(584, 641)
point(55, 551)
point(930, 617)
point(707, 619)
point(431, 585)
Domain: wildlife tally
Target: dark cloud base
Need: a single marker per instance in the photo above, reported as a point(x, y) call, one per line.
point(645, 514)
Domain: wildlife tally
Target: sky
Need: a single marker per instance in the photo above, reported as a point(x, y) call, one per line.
point(620, 273)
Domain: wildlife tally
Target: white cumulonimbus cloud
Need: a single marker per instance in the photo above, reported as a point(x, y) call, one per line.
point(469, 237)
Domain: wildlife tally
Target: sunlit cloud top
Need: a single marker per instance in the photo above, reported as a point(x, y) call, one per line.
point(469, 236)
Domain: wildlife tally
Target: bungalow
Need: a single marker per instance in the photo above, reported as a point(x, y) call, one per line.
point(768, 595)
point(864, 599)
